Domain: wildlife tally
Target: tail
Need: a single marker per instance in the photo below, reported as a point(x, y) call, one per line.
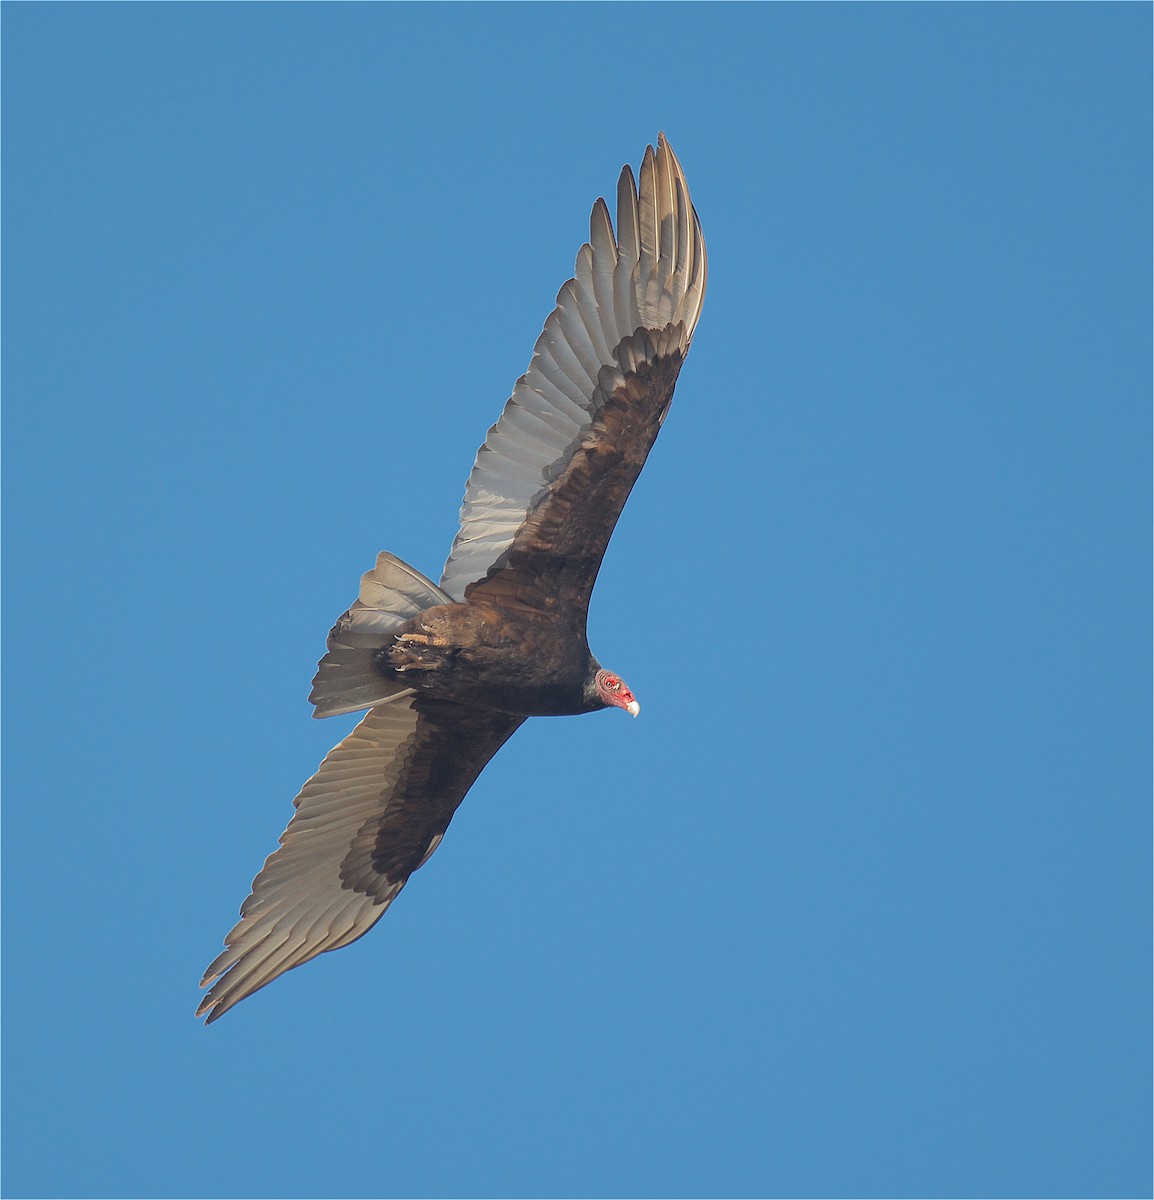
point(391, 593)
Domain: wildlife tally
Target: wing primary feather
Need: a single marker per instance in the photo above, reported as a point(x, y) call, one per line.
point(628, 231)
point(603, 266)
point(625, 276)
point(601, 238)
point(667, 210)
point(647, 214)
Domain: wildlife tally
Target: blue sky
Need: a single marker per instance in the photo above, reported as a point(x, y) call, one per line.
point(860, 905)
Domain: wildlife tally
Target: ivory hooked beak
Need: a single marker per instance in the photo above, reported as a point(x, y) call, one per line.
point(633, 708)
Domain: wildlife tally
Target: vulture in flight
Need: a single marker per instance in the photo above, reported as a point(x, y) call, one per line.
point(449, 671)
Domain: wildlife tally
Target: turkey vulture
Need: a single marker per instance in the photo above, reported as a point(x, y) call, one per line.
point(448, 672)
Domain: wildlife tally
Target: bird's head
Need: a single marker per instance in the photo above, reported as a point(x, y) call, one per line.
point(613, 692)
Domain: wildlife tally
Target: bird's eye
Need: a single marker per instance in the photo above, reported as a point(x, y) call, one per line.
point(614, 684)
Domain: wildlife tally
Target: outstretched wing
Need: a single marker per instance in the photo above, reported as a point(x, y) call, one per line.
point(554, 473)
point(375, 810)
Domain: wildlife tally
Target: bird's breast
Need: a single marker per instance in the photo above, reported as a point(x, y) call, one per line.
point(524, 663)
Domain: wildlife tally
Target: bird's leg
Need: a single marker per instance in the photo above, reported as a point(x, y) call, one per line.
point(416, 651)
